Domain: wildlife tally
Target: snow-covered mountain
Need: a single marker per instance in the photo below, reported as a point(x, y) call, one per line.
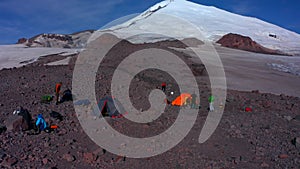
point(213, 23)
point(75, 40)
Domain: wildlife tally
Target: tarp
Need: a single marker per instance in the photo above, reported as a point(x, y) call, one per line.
point(181, 100)
point(82, 102)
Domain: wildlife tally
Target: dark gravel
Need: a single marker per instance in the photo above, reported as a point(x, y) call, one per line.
point(268, 137)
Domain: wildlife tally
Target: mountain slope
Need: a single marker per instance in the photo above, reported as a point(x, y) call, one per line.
point(212, 22)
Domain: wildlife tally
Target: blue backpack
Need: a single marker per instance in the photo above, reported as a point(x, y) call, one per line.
point(41, 123)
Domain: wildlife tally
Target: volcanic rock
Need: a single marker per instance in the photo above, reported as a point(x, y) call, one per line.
point(296, 142)
point(45, 161)
point(283, 156)
point(89, 157)
point(9, 162)
point(20, 124)
point(22, 40)
point(241, 42)
point(69, 157)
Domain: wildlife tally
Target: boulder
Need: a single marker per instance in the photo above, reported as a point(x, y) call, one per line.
point(296, 142)
point(9, 162)
point(68, 157)
point(20, 124)
point(89, 157)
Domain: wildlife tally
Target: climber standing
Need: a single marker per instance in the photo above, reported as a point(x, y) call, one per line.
point(211, 100)
point(163, 86)
point(57, 91)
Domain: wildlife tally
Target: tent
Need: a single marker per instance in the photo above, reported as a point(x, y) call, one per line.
point(181, 100)
point(109, 107)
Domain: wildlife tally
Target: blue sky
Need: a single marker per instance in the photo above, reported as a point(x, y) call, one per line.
point(26, 18)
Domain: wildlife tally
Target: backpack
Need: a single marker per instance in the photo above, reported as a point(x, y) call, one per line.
point(41, 123)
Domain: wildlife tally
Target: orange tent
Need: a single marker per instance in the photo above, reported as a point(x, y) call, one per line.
point(180, 100)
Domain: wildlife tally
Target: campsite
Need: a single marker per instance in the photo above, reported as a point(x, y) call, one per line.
point(260, 137)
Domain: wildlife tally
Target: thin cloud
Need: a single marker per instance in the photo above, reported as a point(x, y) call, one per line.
point(9, 29)
point(243, 7)
point(63, 7)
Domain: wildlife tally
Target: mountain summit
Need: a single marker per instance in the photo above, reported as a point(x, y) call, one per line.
point(213, 23)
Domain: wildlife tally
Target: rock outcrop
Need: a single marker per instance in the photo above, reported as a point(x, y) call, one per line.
point(75, 40)
point(241, 42)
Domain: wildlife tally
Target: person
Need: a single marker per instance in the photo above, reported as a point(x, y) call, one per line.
point(211, 100)
point(163, 86)
point(167, 101)
point(187, 101)
point(41, 123)
point(193, 101)
point(57, 91)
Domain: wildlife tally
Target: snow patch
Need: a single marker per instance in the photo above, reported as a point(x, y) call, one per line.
point(60, 62)
point(287, 68)
point(19, 55)
point(70, 52)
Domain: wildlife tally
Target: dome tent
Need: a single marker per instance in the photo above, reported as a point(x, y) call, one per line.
point(110, 107)
point(181, 100)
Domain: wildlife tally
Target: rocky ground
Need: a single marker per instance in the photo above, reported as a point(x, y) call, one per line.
point(267, 137)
